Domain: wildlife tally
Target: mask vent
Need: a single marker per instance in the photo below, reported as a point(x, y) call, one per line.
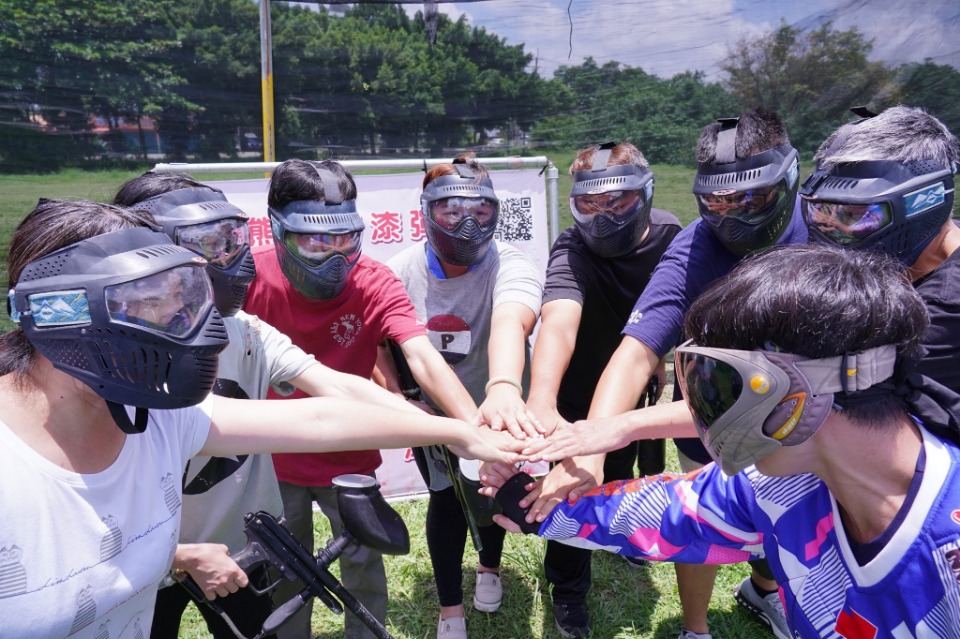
point(159, 250)
point(728, 178)
point(602, 183)
point(45, 267)
point(215, 328)
point(141, 366)
point(922, 167)
point(66, 351)
point(329, 219)
point(839, 183)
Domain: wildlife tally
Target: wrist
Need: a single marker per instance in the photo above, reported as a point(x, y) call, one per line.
point(504, 381)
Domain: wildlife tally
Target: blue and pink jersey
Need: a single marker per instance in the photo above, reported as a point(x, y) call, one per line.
point(910, 588)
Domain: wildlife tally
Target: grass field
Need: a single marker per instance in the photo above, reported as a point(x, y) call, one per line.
point(625, 602)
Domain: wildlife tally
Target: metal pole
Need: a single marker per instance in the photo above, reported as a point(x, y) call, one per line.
point(553, 204)
point(266, 82)
point(252, 167)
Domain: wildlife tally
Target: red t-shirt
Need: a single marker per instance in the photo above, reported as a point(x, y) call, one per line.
point(342, 333)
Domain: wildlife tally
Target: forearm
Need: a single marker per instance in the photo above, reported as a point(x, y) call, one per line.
point(322, 424)
point(321, 381)
point(624, 379)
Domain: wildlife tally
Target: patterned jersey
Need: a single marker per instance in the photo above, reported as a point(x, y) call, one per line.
point(911, 588)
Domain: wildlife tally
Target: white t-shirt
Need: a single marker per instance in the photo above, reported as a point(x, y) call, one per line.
point(82, 555)
point(214, 505)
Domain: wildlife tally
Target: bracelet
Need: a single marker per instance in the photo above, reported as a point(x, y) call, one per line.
point(503, 379)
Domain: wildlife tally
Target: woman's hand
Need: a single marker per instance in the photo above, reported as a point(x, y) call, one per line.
point(212, 567)
point(503, 409)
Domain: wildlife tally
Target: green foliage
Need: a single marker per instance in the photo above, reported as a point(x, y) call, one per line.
point(936, 87)
point(662, 117)
point(811, 78)
point(66, 60)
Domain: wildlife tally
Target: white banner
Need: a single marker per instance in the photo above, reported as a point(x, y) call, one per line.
point(390, 207)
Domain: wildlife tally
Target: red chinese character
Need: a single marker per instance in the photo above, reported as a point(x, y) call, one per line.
point(260, 232)
point(417, 232)
point(387, 228)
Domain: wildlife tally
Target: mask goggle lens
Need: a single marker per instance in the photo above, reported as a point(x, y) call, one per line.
point(317, 248)
point(710, 386)
point(750, 206)
point(173, 302)
point(219, 242)
point(450, 212)
point(846, 224)
point(616, 205)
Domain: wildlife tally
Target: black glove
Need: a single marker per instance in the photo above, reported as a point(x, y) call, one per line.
point(509, 497)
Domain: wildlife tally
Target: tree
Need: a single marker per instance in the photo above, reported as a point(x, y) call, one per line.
point(935, 87)
point(67, 60)
point(811, 78)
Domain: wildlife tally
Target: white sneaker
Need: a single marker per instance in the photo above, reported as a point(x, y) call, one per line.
point(488, 593)
point(452, 628)
point(767, 609)
point(690, 634)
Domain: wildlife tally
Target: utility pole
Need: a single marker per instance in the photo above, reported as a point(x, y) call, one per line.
point(266, 83)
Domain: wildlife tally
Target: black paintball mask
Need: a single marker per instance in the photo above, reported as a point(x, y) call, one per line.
point(892, 207)
point(747, 203)
point(202, 220)
point(128, 313)
point(461, 213)
point(611, 204)
point(318, 243)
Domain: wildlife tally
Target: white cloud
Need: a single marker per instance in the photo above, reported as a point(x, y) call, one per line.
point(666, 37)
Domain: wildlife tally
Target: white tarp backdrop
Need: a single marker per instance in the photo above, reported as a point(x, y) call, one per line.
point(390, 207)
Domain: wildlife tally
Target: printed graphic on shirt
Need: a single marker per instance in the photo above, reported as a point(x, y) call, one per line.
point(13, 576)
point(516, 220)
point(112, 542)
point(345, 330)
point(216, 469)
point(86, 610)
point(451, 336)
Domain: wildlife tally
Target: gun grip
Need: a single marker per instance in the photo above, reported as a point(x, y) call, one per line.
point(251, 556)
point(282, 614)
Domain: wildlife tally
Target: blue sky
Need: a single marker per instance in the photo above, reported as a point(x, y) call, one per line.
point(665, 37)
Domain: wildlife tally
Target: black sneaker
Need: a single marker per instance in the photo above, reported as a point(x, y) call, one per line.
point(573, 620)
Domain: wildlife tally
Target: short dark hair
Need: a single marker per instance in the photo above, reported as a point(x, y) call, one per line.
point(297, 180)
point(50, 226)
point(757, 131)
point(150, 184)
point(816, 301)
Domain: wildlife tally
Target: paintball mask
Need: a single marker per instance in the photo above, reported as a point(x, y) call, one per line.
point(129, 314)
point(202, 220)
point(318, 243)
point(749, 202)
point(461, 212)
point(891, 207)
point(746, 404)
point(611, 204)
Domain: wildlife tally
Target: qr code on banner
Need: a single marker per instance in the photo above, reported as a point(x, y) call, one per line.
point(516, 220)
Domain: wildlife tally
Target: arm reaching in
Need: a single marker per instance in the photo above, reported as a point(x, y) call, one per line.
point(503, 408)
point(322, 424)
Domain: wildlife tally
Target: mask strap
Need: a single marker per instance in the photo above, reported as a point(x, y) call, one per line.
point(331, 188)
point(463, 170)
point(119, 414)
point(844, 132)
point(726, 141)
point(601, 158)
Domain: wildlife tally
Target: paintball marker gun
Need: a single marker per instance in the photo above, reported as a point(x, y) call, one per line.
point(477, 509)
point(367, 520)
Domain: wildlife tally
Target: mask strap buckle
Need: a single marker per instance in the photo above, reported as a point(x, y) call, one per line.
point(601, 158)
point(727, 141)
point(331, 187)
